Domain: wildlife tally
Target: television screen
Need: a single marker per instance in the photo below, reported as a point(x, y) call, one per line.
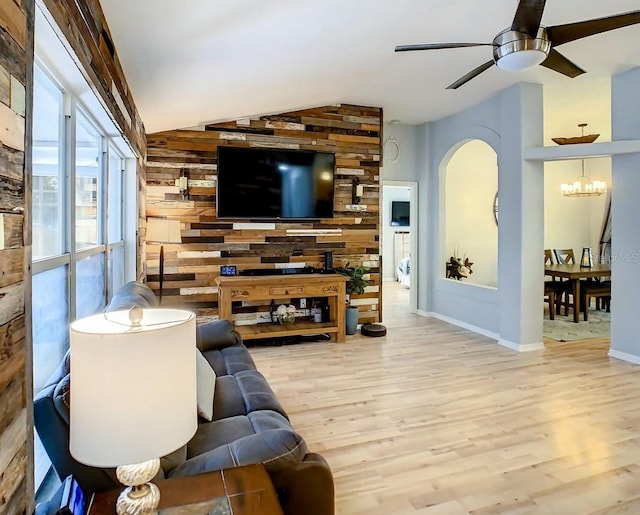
point(399, 212)
point(274, 183)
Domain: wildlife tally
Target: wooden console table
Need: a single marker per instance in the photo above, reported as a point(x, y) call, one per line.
point(238, 491)
point(274, 287)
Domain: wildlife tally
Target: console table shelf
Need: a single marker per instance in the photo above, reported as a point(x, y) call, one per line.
point(275, 287)
point(300, 327)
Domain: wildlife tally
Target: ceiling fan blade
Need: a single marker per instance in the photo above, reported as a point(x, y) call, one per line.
point(437, 46)
point(528, 17)
point(559, 63)
point(472, 74)
point(561, 34)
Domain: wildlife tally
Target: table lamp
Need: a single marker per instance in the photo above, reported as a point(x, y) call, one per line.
point(163, 230)
point(133, 395)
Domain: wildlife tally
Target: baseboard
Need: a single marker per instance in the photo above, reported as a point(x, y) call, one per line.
point(631, 358)
point(459, 323)
point(527, 347)
point(521, 347)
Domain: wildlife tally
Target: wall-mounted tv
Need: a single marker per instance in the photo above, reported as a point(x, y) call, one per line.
point(269, 183)
point(400, 212)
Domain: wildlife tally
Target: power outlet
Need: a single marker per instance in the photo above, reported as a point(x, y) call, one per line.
point(303, 303)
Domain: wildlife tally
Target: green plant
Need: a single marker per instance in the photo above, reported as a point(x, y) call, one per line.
point(356, 283)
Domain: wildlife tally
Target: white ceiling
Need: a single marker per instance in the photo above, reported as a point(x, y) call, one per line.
point(200, 61)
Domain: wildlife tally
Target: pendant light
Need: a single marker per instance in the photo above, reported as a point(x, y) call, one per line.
point(583, 186)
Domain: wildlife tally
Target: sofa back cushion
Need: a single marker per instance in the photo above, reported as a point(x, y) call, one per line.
point(132, 294)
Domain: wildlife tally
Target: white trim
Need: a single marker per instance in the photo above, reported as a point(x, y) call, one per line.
point(459, 323)
point(518, 347)
point(631, 358)
point(578, 151)
point(527, 347)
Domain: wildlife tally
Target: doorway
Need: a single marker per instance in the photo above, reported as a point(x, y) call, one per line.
point(399, 246)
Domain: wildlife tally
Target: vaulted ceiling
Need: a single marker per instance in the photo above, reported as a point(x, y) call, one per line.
point(199, 61)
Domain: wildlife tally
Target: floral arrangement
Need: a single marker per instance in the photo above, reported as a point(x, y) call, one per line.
point(286, 314)
point(457, 268)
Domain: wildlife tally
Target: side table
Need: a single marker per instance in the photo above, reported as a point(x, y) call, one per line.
point(236, 491)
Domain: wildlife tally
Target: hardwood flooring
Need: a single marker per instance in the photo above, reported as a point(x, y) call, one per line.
point(434, 419)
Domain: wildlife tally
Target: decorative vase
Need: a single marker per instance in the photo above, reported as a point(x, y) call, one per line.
point(351, 320)
point(286, 318)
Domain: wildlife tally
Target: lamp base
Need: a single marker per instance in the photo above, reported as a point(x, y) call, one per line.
point(141, 497)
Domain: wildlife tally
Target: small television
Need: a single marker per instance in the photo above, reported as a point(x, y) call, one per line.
point(270, 183)
point(400, 212)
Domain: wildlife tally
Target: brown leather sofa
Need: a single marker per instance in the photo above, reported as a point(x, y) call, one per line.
point(249, 424)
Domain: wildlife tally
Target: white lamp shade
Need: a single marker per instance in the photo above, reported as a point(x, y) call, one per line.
point(133, 389)
point(162, 230)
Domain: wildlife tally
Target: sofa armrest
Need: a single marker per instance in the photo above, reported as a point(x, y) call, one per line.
point(217, 334)
point(306, 488)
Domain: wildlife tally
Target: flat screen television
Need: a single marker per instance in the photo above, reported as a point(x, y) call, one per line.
point(274, 184)
point(400, 212)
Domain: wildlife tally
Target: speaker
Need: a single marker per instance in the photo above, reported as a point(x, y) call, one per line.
point(328, 260)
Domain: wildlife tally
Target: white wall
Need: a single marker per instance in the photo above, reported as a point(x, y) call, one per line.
point(625, 236)
point(404, 168)
point(470, 229)
point(390, 194)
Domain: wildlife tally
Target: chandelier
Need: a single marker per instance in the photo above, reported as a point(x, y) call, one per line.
point(583, 186)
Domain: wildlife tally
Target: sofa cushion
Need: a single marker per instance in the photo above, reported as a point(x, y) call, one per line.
point(205, 386)
point(259, 437)
point(217, 334)
point(132, 294)
point(230, 360)
point(243, 393)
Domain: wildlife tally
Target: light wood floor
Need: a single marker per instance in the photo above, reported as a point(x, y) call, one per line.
point(434, 419)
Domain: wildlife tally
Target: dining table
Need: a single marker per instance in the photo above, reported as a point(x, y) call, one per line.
point(574, 272)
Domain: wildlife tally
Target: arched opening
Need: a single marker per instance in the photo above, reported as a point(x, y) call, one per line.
point(470, 228)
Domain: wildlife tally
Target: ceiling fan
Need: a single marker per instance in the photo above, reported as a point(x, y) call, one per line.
point(527, 43)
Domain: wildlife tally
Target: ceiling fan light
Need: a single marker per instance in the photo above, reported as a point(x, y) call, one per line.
point(521, 60)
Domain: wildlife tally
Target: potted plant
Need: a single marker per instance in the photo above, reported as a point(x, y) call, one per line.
point(356, 284)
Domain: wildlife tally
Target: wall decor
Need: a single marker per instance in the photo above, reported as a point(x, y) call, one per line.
point(391, 150)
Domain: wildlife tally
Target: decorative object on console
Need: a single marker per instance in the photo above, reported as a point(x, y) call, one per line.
point(356, 284)
point(121, 396)
point(228, 270)
point(286, 314)
point(182, 183)
point(328, 261)
point(162, 230)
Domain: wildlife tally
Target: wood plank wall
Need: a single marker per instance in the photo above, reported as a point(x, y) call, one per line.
point(16, 51)
point(83, 25)
point(353, 133)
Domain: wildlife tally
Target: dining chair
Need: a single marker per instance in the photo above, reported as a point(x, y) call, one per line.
point(564, 257)
point(551, 286)
point(598, 290)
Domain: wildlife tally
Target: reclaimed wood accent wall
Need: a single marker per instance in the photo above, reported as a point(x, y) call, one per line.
point(353, 133)
point(16, 426)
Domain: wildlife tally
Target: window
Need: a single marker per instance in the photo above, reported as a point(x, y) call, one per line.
point(48, 197)
point(78, 224)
